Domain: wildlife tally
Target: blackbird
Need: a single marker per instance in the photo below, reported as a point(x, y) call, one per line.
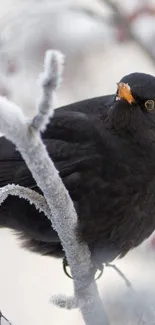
point(104, 149)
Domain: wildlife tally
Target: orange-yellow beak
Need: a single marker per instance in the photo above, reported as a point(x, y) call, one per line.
point(124, 92)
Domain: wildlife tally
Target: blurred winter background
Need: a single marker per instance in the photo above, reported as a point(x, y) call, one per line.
point(102, 41)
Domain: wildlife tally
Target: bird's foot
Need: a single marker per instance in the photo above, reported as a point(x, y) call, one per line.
point(95, 268)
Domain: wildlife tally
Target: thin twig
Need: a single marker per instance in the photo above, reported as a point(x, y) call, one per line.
point(49, 81)
point(27, 194)
point(122, 275)
point(2, 316)
point(94, 14)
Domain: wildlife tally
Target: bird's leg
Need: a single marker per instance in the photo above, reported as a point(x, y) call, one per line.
point(98, 266)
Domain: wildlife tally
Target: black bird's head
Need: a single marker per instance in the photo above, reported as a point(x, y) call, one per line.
point(134, 104)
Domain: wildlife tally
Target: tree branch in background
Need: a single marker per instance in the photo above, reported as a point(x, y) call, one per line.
point(122, 20)
point(94, 14)
point(116, 19)
point(25, 134)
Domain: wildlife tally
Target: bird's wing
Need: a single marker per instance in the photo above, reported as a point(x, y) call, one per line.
point(68, 139)
point(96, 106)
point(72, 141)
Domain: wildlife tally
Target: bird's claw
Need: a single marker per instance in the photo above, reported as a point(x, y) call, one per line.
point(65, 265)
point(95, 267)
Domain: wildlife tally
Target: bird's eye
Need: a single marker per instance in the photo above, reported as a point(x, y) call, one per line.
point(150, 104)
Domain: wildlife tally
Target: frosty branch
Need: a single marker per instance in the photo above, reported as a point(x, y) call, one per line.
point(57, 204)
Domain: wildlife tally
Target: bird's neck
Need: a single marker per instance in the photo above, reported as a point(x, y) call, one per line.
point(136, 140)
point(131, 129)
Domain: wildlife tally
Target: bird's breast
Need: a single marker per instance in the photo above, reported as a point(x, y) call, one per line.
point(117, 208)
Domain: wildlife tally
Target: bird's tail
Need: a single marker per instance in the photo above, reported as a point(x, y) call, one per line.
point(44, 248)
point(32, 228)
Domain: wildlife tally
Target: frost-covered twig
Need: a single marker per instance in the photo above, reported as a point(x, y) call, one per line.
point(25, 134)
point(27, 194)
point(49, 81)
point(120, 273)
point(2, 316)
point(64, 302)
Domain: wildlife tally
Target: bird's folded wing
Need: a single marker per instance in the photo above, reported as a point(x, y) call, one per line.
point(71, 138)
point(68, 138)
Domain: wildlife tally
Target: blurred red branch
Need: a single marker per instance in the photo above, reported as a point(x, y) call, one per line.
point(147, 10)
point(126, 23)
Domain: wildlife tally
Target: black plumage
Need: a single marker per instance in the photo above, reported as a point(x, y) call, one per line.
point(104, 149)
